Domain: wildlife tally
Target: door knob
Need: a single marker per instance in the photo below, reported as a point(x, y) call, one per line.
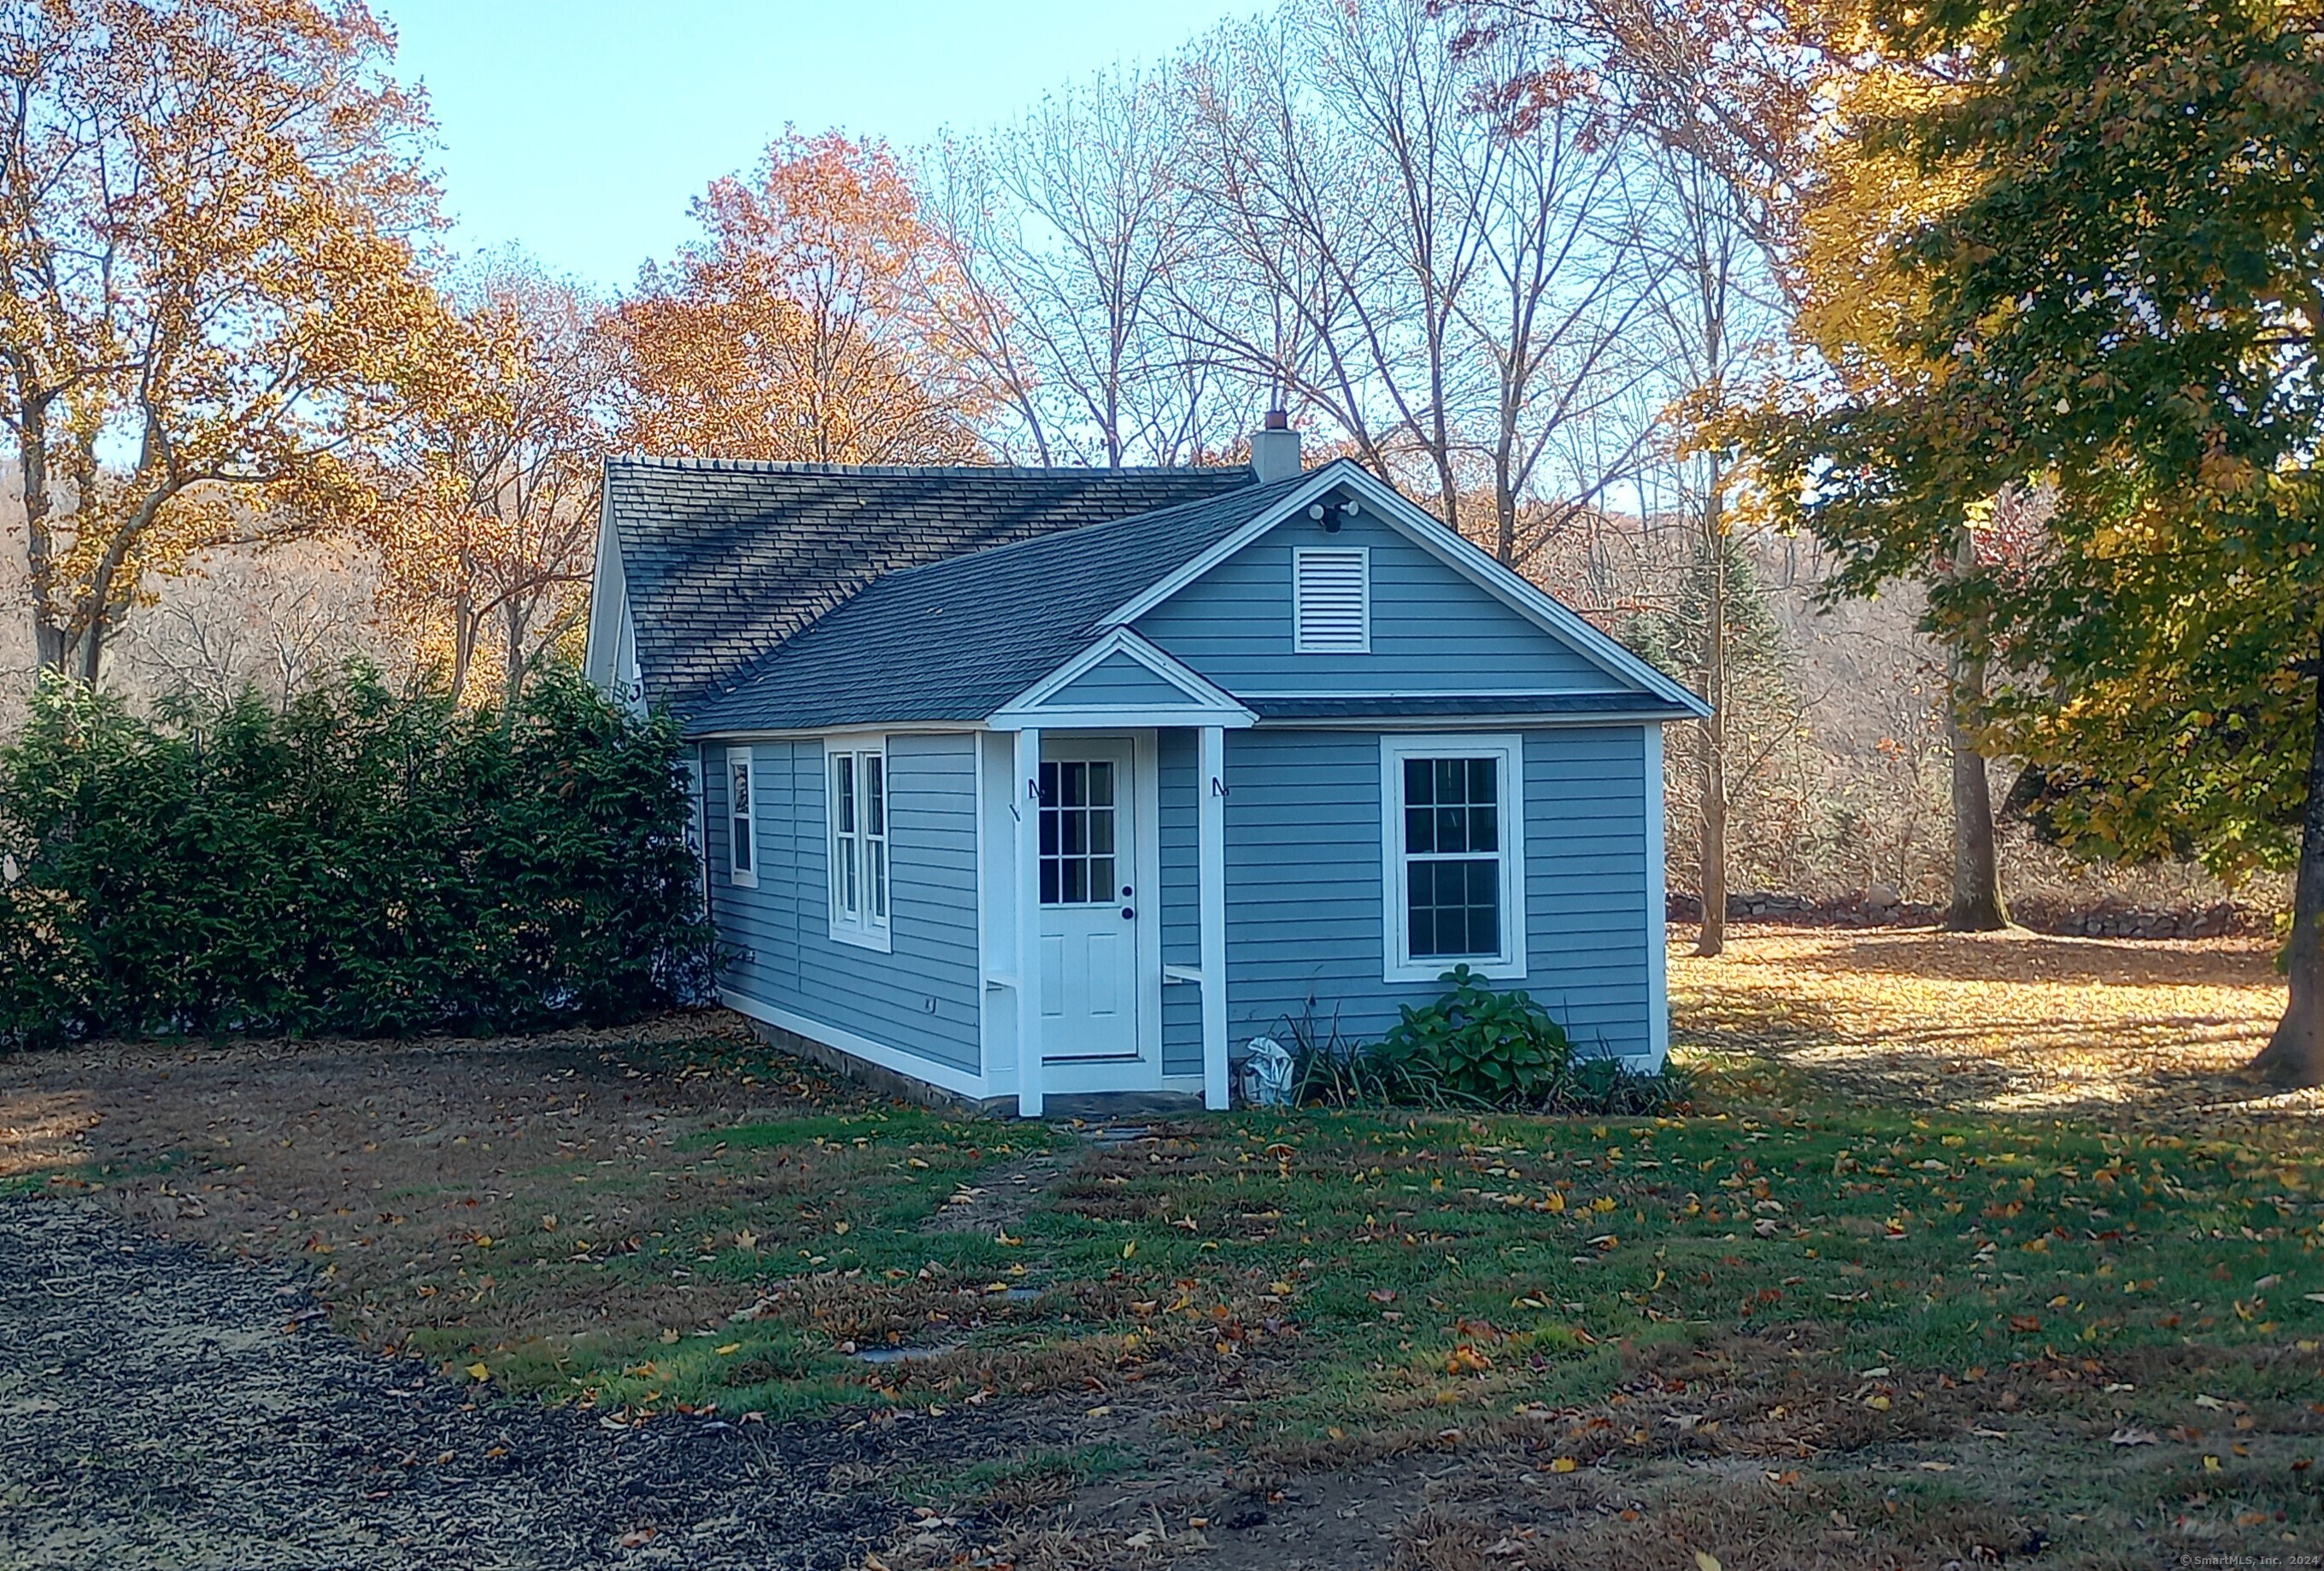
point(1127, 914)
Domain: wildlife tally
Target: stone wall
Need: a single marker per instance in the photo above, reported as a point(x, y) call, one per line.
point(1881, 907)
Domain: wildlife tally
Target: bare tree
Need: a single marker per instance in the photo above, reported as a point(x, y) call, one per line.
point(1556, 307)
point(1321, 178)
point(273, 620)
point(1066, 227)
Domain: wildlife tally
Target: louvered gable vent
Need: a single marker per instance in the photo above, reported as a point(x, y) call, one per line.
point(1332, 613)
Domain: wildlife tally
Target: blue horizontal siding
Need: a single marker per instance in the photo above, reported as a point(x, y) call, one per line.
point(1432, 629)
point(1304, 902)
point(1116, 680)
point(923, 997)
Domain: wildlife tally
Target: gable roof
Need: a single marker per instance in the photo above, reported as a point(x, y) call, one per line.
point(956, 639)
point(724, 559)
point(1464, 557)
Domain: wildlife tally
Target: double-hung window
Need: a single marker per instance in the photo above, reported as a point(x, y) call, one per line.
point(1452, 842)
point(741, 821)
point(858, 813)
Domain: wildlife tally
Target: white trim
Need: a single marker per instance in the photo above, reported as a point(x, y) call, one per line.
point(1384, 502)
point(983, 940)
point(608, 591)
point(1408, 696)
point(1024, 801)
point(744, 873)
point(1396, 965)
point(1301, 644)
point(1210, 877)
point(865, 928)
point(942, 1076)
point(1657, 915)
point(1448, 723)
point(1206, 702)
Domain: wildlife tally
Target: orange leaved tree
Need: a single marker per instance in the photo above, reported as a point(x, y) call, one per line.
point(487, 515)
point(796, 328)
point(210, 302)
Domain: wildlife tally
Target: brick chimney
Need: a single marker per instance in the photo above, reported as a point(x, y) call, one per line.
point(1275, 448)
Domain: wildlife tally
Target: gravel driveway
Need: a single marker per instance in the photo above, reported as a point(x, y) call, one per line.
point(161, 1408)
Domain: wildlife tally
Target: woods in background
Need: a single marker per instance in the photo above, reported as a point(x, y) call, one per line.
point(1653, 302)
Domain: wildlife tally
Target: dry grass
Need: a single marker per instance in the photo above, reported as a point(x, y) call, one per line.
point(1921, 1152)
point(2008, 1023)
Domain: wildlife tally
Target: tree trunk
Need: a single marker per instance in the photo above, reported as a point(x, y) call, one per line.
point(1712, 938)
point(517, 618)
point(1977, 905)
point(2294, 1055)
point(464, 632)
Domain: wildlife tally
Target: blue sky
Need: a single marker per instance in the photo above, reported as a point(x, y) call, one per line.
point(581, 130)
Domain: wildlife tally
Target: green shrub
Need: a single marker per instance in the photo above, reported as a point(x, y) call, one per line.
point(1476, 1045)
point(362, 861)
point(1479, 1047)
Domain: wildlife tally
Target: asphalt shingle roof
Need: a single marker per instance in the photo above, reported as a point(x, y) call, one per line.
point(958, 638)
point(1425, 704)
point(725, 559)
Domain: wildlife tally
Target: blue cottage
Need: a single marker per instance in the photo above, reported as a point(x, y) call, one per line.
point(1030, 784)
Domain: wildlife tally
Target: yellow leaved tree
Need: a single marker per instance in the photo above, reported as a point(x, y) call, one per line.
point(487, 501)
point(210, 302)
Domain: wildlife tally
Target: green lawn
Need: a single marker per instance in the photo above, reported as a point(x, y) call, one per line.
point(1821, 1312)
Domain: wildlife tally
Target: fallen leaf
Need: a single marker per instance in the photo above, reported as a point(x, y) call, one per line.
point(477, 1371)
point(730, 1349)
point(1563, 1465)
point(2127, 1435)
point(1704, 1560)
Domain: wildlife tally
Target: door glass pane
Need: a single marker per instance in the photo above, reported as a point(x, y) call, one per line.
point(1078, 832)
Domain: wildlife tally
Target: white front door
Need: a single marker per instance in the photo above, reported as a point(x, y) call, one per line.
point(1090, 900)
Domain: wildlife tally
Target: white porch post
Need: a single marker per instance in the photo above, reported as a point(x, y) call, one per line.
point(1211, 852)
point(1027, 799)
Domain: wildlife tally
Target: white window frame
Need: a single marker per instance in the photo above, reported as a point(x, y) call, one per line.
point(1508, 750)
point(1299, 640)
point(743, 818)
point(857, 860)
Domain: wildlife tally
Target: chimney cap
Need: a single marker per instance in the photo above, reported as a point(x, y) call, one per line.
point(1276, 420)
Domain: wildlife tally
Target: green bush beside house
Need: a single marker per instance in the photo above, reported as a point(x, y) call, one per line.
point(362, 861)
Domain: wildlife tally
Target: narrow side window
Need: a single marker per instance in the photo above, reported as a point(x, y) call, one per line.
point(742, 832)
point(859, 823)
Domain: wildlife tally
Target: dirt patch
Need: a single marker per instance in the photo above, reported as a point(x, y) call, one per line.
point(167, 1408)
point(997, 1199)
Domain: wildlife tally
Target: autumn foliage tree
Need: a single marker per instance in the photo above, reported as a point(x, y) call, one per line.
point(796, 328)
point(488, 509)
point(2117, 306)
point(210, 297)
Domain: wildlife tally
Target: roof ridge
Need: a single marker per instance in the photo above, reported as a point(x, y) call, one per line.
point(1056, 537)
point(1013, 471)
